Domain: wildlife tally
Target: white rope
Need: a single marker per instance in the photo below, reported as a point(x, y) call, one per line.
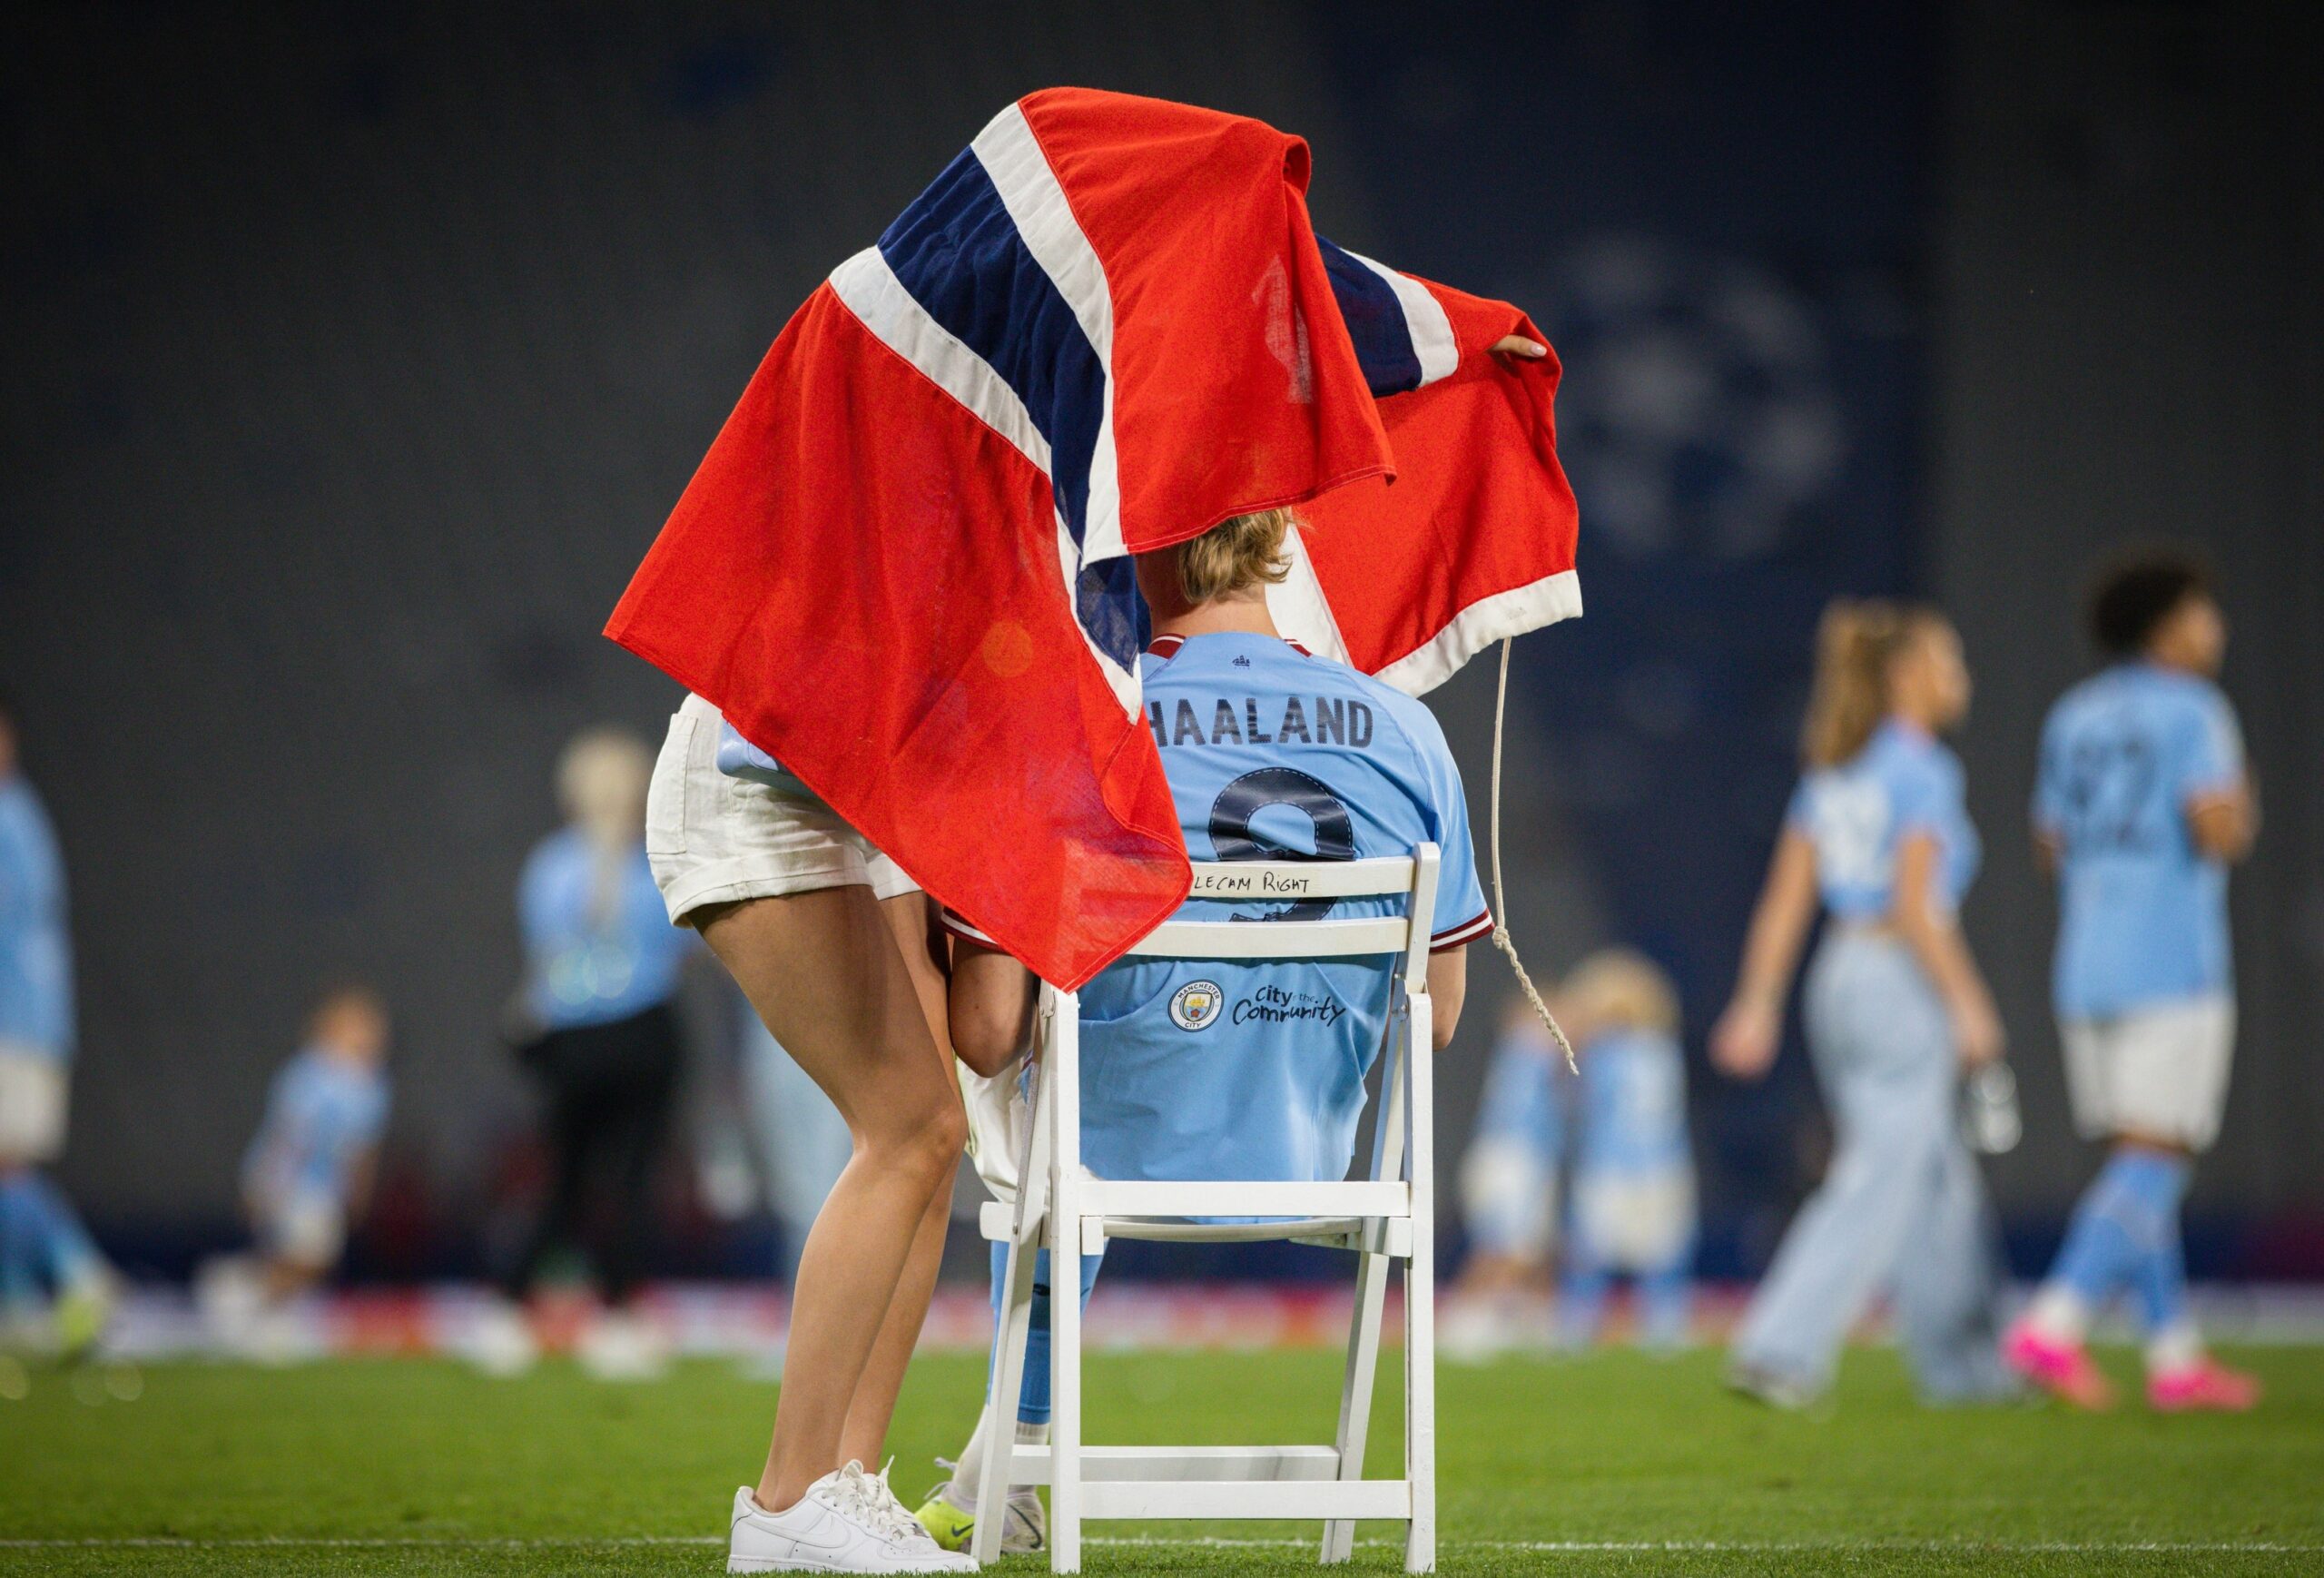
point(1501, 899)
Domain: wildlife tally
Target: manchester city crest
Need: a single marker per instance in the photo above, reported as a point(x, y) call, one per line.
point(1196, 1004)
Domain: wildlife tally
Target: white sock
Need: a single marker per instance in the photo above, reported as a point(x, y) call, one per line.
point(968, 1475)
point(2059, 1314)
point(2177, 1346)
point(968, 1479)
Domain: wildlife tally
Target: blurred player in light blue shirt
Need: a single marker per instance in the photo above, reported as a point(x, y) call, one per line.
point(2141, 805)
point(1236, 1069)
point(308, 1172)
point(1634, 1185)
point(602, 970)
point(44, 1249)
point(1509, 1186)
point(1632, 1191)
point(1879, 837)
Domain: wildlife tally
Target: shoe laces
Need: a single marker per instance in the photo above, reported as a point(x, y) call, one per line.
point(867, 1499)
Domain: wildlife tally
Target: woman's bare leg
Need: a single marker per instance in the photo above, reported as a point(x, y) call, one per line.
point(910, 916)
point(824, 970)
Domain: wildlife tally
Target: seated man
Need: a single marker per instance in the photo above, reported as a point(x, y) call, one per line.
point(1233, 1069)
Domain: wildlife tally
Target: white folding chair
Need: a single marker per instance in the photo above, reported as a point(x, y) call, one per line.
point(1386, 1216)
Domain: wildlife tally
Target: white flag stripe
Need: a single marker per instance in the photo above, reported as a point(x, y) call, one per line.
point(1128, 688)
point(1299, 607)
point(870, 289)
point(1479, 625)
point(1012, 156)
point(1424, 318)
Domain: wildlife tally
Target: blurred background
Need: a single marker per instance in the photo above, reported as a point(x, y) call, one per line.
point(355, 353)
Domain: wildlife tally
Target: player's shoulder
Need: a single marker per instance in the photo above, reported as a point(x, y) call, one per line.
point(1913, 754)
point(22, 814)
point(554, 852)
point(2193, 695)
point(2078, 699)
point(1408, 715)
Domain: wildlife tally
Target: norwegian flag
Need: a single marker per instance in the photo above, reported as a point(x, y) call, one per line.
point(902, 568)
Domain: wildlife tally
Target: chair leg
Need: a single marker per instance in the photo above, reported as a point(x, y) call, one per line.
point(1420, 1396)
point(1355, 1393)
point(1065, 1399)
point(1008, 1380)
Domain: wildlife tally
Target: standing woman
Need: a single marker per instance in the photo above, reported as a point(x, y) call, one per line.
point(837, 951)
point(1895, 1010)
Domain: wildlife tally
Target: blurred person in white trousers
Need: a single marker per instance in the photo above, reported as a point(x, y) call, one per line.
point(1878, 836)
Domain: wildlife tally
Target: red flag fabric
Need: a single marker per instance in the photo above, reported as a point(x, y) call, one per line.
point(901, 569)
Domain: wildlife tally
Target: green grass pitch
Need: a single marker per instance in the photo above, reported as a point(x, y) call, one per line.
point(1612, 1464)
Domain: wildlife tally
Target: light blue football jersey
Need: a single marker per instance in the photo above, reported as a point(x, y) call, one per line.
point(2143, 913)
point(1254, 1069)
point(1857, 814)
point(1634, 1106)
point(590, 957)
point(35, 951)
point(322, 1114)
point(1523, 1101)
point(738, 758)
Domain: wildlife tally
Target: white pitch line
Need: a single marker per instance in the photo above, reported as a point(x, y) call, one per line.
point(1579, 1547)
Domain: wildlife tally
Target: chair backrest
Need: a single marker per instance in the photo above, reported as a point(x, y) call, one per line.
point(1413, 876)
point(1404, 939)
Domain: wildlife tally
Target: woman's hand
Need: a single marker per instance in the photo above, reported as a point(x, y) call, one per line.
point(1518, 345)
point(1743, 1042)
point(1977, 1035)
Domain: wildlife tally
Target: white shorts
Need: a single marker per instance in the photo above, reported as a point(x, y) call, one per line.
point(2160, 1070)
point(1637, 1222)
point(306, 1227)
point(32, 1104)
point(1509, 1199)
point(715, 839)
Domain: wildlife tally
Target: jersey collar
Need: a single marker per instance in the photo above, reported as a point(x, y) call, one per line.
point(1165, 648)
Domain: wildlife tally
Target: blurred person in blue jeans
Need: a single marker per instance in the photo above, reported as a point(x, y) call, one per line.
point(601, 1036)
point(55, 1290)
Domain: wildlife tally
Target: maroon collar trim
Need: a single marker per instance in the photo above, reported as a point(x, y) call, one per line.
point(1166, 647)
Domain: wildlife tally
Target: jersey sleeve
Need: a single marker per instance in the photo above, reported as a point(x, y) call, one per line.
point(1461, 916)
point(2206, 750)
point(1918, 792)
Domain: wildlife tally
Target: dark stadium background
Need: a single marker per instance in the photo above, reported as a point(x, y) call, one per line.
point(354, 353)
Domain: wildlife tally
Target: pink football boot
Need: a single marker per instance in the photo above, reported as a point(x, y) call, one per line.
point(2063, 1369)
point(2204, 1386)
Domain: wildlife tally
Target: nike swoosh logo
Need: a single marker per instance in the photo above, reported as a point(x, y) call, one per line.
point(823, 1521)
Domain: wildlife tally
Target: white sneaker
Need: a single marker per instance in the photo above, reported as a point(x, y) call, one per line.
point(499, 1340)
point(848, 1521)
point(622, 1346)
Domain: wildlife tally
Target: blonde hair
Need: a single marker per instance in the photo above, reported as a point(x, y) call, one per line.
point(1623, 988)
point(601, 778)
point(1856, 643)
point(1240, 552)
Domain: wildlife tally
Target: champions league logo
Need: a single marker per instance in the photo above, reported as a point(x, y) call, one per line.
point(1707, 421)
point(1195, 1005)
